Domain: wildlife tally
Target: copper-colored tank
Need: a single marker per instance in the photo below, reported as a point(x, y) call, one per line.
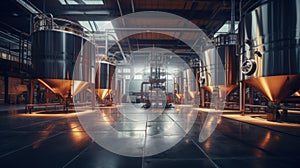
point(297, 93)
point(212, 73)
point(104, 79)
point(269, 38)
point(62, 59)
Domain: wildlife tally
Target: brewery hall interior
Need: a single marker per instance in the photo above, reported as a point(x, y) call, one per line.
point(150, 83)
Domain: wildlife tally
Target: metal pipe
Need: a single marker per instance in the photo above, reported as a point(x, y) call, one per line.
point(154, 29)
point(27, 54)
point(91, 26)
point(242, 97)
point(20, 52)
point(119, 6)
point(119, 45)
point(241, 84)
point(31, 92)
point(52, 20)
point(241, 5)
point(132, 6)
point(142, 90)
point(250, 95)
point(106, 43)
point(6, 96)
point(202, 93)
point(93, 96)
point(14, 29)
point(10, 36)
point(121, 13)
point(232, 30)
point(29, 6)
point(31, 26)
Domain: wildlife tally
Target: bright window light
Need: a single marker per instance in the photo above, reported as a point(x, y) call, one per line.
point(138, 77)
point(85, 24)
point(100, 26)
point(104, 25)
point(226, 28)
point(126, 70)
point(127, 76)
point(81, 2)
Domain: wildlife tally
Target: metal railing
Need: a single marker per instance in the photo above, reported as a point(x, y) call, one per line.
point(48, 22)
point(15, 48)
point(225, 39)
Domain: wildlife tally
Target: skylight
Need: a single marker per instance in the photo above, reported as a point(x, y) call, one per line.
point(95, 26)
point(81, 2)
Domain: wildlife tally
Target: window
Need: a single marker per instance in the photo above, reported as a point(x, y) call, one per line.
point(96, 25)
point(138, 77)
point(126, 70)
point(226, 27)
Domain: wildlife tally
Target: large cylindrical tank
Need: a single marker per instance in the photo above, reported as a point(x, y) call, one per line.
point(104, 81)
point(191, 75)
point(62, 60)
point(270, 46)
point(219, 67)
point(179, 86)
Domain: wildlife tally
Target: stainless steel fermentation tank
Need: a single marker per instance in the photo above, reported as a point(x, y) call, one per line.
point(55, 50)
point(104, 80)
point(269, 39)
point(192, 82)
point(186, 84)
point(220, 66)
point(179, 87)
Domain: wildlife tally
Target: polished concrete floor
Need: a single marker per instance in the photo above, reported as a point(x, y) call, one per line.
point(59, 140)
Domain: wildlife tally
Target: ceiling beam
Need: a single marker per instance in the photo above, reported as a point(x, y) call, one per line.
point(98, 14)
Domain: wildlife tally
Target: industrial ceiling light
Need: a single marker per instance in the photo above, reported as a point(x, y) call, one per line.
point(29, 7)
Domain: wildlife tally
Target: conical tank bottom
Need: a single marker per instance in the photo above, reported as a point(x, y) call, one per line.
point(208, 88)
point(103, 93)
point(192, 94)
point(179, 95)
point(276, 88)
point(223, 89)
point(63, 87)
point(297, 93)
point(226, 89)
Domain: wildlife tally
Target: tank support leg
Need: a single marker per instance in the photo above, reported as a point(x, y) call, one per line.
point(242, 97)
point(272, 112)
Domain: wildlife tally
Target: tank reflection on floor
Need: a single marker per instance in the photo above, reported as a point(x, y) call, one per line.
point(76, 133)
point(44, 135)
point(63, 142)
point(138, 128)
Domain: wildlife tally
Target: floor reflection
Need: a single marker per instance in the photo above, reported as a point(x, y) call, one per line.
point(106, 137)
point(144, 131)
point(43, 135)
